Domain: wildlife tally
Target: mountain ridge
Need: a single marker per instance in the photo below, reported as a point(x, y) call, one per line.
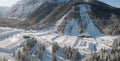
point(47, 14)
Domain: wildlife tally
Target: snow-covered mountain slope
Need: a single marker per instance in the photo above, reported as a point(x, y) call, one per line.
point(78, 26)
point(83, 18)
point(24, 7)
point(92, 17)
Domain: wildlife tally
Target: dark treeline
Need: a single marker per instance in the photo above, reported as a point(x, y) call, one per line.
point(112, 54)
point(69, 53)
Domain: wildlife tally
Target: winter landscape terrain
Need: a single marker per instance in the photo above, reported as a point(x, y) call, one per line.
point(60, 30)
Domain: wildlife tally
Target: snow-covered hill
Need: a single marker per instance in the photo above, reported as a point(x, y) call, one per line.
point(94, 17)
point(24, 7)
point(78, 26)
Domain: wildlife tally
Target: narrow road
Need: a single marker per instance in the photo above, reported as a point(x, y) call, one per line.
point(5, 50)
point(6, 35)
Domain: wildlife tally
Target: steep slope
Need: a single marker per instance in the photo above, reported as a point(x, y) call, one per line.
point(70, 17)
point(83, 19)
point(24, 7)
point(106, 19)
point(60, 30)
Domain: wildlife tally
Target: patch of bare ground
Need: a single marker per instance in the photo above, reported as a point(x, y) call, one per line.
point(6, 22)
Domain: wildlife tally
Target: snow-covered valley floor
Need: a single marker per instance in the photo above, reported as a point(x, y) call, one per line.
point(11, 39)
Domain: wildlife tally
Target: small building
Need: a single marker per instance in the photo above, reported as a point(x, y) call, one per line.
point(86, 35)
point(26, 36)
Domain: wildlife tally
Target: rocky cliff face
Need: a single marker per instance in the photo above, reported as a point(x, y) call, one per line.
point(69, 17)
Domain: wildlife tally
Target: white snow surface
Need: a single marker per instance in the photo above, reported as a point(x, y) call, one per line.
point(24, 7)
point(11, 38)
point(88, 25)
point(85, 45)
point(72, 28)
